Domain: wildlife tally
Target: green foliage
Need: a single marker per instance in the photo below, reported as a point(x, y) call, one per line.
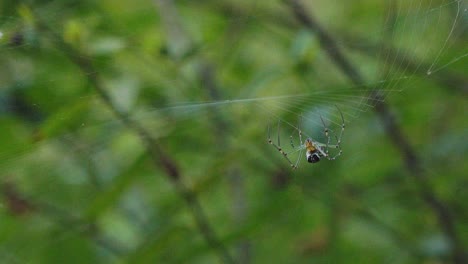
point(205, 79)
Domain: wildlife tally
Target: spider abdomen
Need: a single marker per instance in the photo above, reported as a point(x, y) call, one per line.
point(314, 150)
point(313, 157)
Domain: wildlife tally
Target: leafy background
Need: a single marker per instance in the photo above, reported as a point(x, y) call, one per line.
point(117, 144)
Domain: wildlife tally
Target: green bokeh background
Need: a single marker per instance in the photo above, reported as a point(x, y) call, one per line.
point(78, 185)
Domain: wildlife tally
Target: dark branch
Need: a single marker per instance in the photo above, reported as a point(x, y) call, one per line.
point(158, 155)
point(20, 205)
point(394, 132)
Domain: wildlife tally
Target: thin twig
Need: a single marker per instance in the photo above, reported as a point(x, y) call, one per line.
point(394, 132)
point(179, 43)
point(20, 205)
point(158, 155)
point(236, 179)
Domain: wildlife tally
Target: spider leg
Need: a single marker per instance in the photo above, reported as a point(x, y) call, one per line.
point(326, 131)
point(299, 158)
point(342, 126)
point(278, 147)
point(291, 141)
point(301, 144)
point(337, 146)
point(300, 134)
point(300, 131)
point(319, 146)
point(324, 148)
point(337, 138)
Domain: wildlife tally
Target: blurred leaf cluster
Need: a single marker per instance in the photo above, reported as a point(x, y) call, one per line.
point(77, 185)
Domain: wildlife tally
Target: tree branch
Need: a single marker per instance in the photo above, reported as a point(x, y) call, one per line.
point(158, 155)
point(394, 132)
point(179, 43)
point(20, 205)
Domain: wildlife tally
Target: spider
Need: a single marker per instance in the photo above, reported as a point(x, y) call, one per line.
point(314, 150)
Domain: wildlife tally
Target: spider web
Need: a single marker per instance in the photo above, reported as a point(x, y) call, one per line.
point(66, 140)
